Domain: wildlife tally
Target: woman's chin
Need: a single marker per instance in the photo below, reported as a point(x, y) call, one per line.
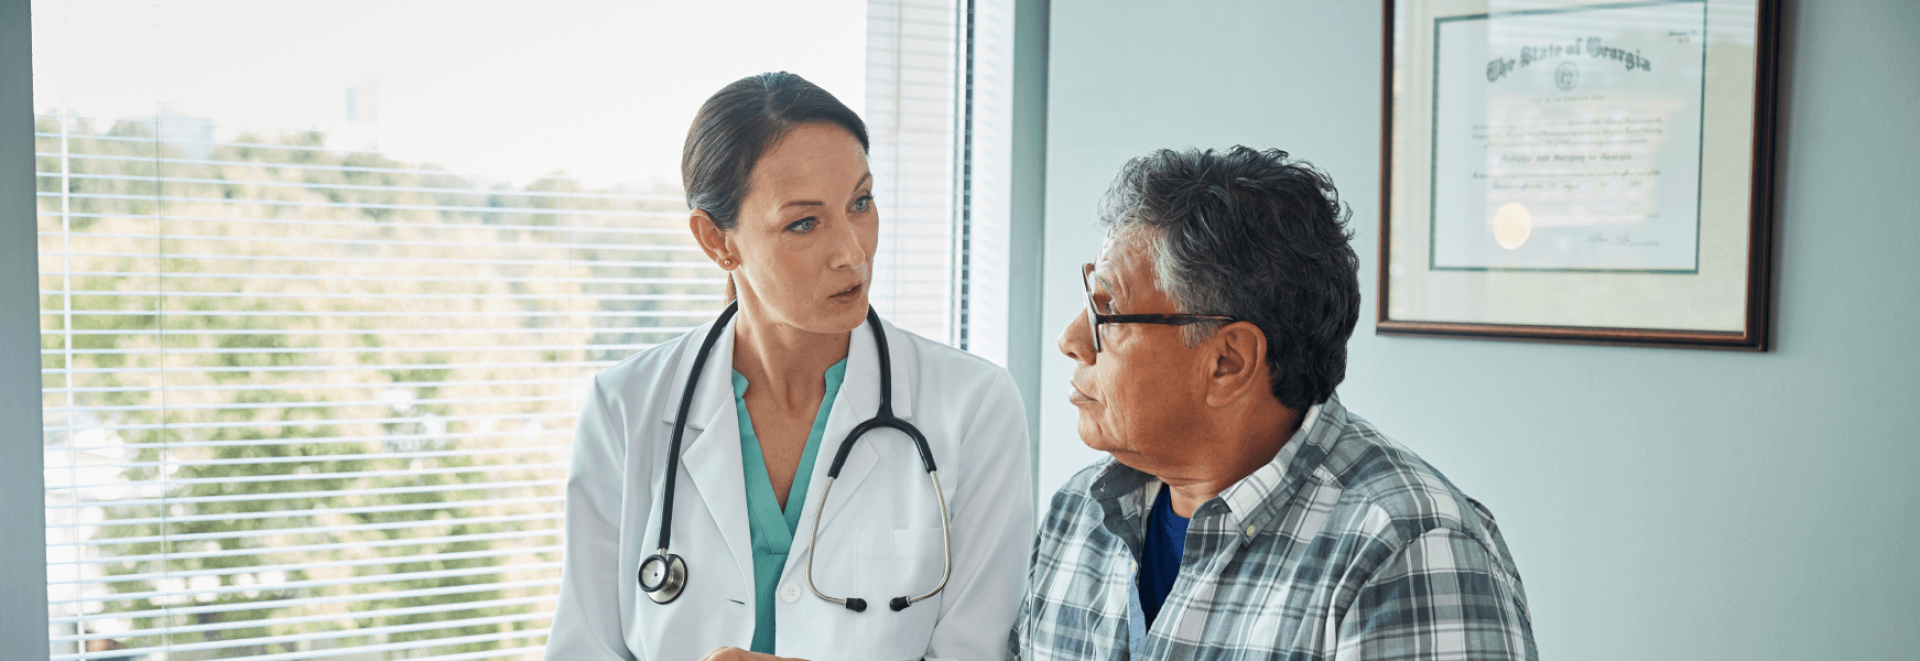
point(853, 312)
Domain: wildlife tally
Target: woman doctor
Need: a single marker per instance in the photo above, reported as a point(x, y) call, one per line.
point(775, 170)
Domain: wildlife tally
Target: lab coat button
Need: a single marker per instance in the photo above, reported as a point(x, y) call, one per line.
point(790, 593)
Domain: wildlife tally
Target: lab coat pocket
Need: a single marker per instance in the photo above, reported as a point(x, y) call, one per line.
point(898, 563)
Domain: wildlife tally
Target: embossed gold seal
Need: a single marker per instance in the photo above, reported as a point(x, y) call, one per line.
point(1512, 225)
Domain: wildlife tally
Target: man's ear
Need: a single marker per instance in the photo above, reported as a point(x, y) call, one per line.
point(1237, 354)
point(712, 240)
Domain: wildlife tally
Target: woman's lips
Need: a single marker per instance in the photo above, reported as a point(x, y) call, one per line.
point(848, 293)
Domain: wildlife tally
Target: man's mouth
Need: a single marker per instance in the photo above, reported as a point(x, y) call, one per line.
point(1077, 396)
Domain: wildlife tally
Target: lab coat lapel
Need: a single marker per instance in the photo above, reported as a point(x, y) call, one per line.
point(710, 452)
point(858, 400)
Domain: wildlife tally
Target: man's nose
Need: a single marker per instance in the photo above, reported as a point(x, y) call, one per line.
point(1076, 340)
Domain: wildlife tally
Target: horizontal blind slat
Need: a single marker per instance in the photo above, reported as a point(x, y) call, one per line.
point(358, 649)
point(306, 477)
point(519, 652)
point(168, 521)
point(592, 364)
point(302, 566)
point(344, 633)
point(597, 213)
point(326, 617)
point(307, 423)
point(294, 495)
point(156, 160)
point(371, 314)
point(407, 243)
point(274, 532)
point(314, 601)
point(354, 350)
point(532, 534)
point(359, 261)
point(304, 440)
point(373, 188)
point(204, 275)
point(328, 582)
point(363, 296)
point(172, 648)
point(306, 404)
point(238, 221)
point(300, 332)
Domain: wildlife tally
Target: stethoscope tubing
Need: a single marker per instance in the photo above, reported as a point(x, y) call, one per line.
point(899, 603)
point(680, 420)
point(669, 571)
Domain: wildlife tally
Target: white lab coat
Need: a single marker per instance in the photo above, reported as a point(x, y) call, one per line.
point(879, 534)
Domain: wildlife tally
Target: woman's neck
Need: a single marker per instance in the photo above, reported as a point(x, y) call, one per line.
point(782, 361)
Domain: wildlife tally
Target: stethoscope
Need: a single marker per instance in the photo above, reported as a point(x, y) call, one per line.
point(663, 575)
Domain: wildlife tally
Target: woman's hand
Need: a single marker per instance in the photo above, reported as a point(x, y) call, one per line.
point(737, 654)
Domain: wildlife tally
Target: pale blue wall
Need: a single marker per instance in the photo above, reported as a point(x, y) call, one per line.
point(1662, 504)
point(23, 516)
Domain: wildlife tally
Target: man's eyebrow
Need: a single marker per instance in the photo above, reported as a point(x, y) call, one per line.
point(1100, 281)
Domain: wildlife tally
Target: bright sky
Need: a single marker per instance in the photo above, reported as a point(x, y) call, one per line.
point(602, 90)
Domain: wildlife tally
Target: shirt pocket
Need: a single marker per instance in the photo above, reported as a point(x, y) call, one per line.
point(898, 563)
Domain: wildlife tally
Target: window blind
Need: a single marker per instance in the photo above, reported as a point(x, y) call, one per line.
point(308, 400)
point(911, 107)
point(302, 401)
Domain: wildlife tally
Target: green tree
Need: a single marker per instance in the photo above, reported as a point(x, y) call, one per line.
point(358, 354)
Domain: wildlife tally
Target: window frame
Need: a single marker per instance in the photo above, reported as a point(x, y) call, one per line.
point(1008, 313)
point(23, 558)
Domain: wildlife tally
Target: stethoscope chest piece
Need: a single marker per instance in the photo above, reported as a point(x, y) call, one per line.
point(663, 576)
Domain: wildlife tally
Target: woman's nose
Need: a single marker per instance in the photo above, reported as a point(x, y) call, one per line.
point(847, 253)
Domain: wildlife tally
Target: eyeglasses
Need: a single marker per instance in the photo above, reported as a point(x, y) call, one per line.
point(1095, 318)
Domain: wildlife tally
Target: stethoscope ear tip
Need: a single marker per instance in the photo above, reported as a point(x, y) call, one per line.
point(899, 604)
point(857, 605)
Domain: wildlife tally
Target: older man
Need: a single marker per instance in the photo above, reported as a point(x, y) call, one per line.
point(1244, 513)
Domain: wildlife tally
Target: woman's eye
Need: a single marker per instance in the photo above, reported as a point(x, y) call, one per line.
point(803, 225)
point(863, 204)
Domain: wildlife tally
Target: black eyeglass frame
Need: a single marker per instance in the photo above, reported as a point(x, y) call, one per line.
point(1095, 318)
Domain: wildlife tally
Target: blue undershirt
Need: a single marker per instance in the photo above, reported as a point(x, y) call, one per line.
point(1160, 555)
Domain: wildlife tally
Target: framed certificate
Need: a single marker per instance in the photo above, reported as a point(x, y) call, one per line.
point(1593, 171)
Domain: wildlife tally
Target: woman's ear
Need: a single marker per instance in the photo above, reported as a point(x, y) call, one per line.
point(712, 240)
point(1238, 356)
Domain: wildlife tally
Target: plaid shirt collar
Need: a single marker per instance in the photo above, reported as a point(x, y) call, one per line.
point(1127, 494)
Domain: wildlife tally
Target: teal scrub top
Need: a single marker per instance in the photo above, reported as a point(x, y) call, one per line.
point(771, 528)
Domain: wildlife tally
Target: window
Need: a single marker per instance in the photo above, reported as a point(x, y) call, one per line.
point(320, 283)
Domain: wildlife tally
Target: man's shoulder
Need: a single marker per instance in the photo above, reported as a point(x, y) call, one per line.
point(1377, 473)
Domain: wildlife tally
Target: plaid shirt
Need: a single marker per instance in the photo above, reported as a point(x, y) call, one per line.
point(1345, 546)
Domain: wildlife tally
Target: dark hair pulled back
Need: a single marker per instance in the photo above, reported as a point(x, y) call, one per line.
point(738, 124)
